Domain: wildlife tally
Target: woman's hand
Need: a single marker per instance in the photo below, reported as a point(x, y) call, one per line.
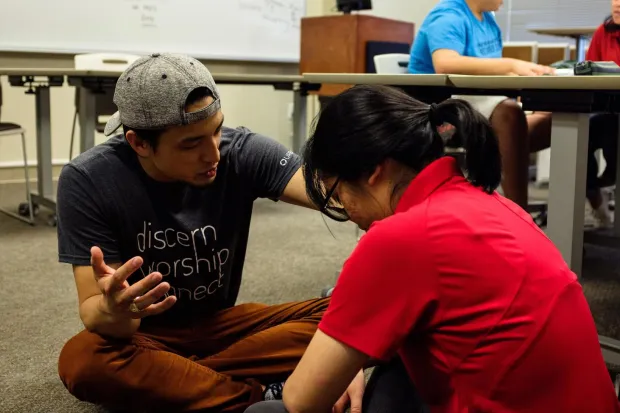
point(354, 394)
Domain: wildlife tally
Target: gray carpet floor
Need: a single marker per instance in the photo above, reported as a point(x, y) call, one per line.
point(292, 256)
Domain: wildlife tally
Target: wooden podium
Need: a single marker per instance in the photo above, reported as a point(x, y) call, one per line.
point(337, 44)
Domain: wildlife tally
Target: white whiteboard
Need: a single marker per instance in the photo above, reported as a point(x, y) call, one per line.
point(250, 30)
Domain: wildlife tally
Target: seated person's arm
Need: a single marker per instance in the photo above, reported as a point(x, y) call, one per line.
point(104, 295)
point(370, 315)
point(449, 61)
point(594, 52)
point(447, 37)
point(272, 170)
point(92, 307)
point(295, 191)
point(322, 375)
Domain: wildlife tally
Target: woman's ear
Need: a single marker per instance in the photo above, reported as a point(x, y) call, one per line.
point(377, 174)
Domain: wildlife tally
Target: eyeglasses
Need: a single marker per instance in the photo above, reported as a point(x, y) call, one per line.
point(335, 212)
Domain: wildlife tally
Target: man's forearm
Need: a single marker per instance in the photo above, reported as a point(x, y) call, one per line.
point(98, 321)
point(464, 65)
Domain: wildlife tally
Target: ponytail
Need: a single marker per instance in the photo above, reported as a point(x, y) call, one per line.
point(474, 134)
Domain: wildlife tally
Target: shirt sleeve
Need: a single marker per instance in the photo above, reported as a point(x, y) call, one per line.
point(81, 221)
point(594, 52)
point(266, 164)
point(447, 31)
point(385, 292)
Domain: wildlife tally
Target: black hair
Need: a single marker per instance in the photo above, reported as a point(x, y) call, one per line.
point(365, 125)
point(151, 136)
point(610, 26)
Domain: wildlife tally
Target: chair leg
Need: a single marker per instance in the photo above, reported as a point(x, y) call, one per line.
point(31, 213)
point(27, 176)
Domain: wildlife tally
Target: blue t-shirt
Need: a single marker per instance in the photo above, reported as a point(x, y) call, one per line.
point(452, 25)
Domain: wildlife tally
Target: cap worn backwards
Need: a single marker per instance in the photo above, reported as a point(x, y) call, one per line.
point(152, 93)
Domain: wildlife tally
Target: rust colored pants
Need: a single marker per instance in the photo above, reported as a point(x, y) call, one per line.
point(215, 365)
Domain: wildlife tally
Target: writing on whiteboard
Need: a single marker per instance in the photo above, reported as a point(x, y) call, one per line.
point(285, 13)
point(146, 12)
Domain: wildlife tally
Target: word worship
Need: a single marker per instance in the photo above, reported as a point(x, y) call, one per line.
point(182, 254)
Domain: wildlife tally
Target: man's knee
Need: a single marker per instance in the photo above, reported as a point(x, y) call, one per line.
point(79, 365)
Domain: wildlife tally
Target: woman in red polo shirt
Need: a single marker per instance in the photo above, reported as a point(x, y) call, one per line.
point(452, 277)
point(604, 47)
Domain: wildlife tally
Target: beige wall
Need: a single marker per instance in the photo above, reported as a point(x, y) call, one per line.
point(414, 11)
point(257, 107)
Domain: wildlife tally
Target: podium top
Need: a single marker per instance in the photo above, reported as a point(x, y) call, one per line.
point(375, 79)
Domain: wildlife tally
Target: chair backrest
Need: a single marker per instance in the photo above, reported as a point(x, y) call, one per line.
point(390, 63)
point(549, 53)
point(104, 61)
point(527, 51)
point(104, 106)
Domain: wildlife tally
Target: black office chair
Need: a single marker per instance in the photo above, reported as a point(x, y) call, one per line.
point(25, 212)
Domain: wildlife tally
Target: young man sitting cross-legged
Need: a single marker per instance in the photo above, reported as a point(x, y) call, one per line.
point(155, 222)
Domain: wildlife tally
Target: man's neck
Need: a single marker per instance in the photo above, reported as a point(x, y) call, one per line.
point(475, 8)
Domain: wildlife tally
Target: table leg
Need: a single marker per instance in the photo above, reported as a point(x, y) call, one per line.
point(88, 118)
point(582, 44)
point(567, 185)
point(300, 101)
point(45, 195)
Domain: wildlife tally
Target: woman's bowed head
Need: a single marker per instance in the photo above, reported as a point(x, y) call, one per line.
point(371, 141)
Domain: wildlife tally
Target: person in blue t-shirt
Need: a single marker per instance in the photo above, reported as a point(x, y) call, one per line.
point(460, 37)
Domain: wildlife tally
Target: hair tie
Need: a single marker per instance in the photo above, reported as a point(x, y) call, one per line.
point(432, 115)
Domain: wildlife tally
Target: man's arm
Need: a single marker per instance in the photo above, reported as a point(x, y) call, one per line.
point(92, 313)
point(271, 170)
point(295, 192)
point(81, 225)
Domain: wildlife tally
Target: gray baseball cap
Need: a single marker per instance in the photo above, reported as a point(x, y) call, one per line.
point(152, 93)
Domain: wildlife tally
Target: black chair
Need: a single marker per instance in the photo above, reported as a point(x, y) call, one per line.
point(26, 211)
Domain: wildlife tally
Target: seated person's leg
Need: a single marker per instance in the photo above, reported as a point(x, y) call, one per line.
point(267, 407)
point(511, 127)
point(223, 360)
point(603, 135)
point(604, 128)
point(143, 373)
point(390, 390)
point(539, 131)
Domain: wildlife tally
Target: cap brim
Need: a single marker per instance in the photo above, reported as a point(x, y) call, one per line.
point(113, 124)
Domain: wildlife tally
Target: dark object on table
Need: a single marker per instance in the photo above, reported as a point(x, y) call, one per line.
point(589, 68)
point(347, 6)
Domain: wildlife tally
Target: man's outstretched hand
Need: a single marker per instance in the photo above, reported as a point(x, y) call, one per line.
point(118, 295)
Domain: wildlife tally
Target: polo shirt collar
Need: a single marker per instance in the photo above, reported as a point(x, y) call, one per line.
point(426, 182)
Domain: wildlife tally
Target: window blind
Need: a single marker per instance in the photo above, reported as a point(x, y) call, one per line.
point(516, 17)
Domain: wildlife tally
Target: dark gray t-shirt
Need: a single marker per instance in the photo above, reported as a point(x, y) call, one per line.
point(195, 237)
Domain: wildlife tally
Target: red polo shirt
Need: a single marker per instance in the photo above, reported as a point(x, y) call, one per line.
point(604, 46)
point(476, 300)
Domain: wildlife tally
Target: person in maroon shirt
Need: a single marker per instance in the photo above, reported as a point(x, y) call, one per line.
point(604, 47)
point(451, 277)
